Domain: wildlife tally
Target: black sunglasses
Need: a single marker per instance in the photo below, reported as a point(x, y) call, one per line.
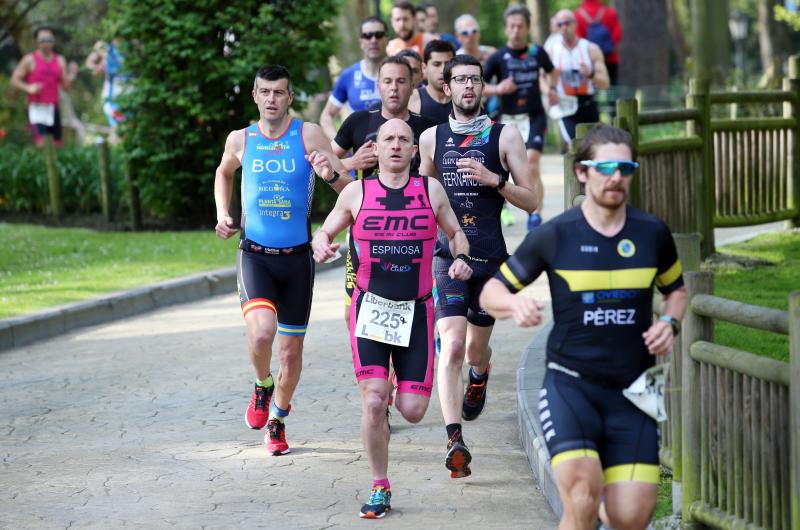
point(373, 34)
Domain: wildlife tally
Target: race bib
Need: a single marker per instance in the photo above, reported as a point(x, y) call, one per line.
point(385, 320)
point(647, 392)
point(42, 114)
point(521, 121)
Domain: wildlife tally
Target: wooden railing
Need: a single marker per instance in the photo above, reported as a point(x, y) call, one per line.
point(740, 417)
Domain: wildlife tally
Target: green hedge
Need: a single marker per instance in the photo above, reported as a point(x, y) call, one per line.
point(23, 180)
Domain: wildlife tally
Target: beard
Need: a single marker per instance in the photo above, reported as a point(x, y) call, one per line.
point(406, 35)
point(469, 110)
point(603, 200)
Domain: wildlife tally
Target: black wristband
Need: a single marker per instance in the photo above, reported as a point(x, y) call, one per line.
point(334, 179)
point(463, 257)
point(502, 183)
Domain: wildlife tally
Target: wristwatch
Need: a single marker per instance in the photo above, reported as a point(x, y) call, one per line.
point(502, 183)
point(463, 257)
point(674, 322)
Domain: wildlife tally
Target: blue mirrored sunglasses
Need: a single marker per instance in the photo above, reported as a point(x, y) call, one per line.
point(609, 167)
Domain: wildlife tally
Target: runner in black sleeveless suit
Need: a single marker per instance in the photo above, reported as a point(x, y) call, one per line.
point(472, 157)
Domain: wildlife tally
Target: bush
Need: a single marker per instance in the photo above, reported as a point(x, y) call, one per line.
point(23, 180)
point(194, 64)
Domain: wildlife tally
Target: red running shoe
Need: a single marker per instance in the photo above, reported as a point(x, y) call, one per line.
point(275, 439)
point(258, 411)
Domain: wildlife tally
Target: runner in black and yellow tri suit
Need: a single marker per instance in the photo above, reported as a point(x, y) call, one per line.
point(602, 260)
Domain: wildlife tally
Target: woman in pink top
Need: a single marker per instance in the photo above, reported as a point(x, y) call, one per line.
point(39, 74)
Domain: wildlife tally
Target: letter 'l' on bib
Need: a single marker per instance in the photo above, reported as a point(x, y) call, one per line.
point(384, 320)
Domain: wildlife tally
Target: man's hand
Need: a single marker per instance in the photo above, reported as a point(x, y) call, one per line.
point(659, 338)
point(225, 227)
point(322, 166)
point(33, 88)
point(506, 86)
point(474, 170)
point(323, 248)
point(460, 270)
point(552, 97)
point(72, 70)
point(366, 157)
point(525, 311)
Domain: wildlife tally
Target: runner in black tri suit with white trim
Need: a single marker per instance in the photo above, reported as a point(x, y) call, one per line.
point(394, 217)
point(602, 260)
point(275, 272)
point(472, 158)
point(358, 132)
point(516, 68)
point(431, 101)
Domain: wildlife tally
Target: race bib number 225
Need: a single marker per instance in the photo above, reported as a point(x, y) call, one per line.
point(384, 320)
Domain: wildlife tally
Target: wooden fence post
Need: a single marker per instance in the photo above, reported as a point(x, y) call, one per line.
point(628, 119)
point(792, 110)
point(699, 98)
point(695, 328)
point(794, 408)
point(105, 177)
point(573, 190)
point(688, 246)
point(53, 178)
point(133, 189)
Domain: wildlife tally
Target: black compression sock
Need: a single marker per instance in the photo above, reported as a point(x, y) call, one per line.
point(452, 429)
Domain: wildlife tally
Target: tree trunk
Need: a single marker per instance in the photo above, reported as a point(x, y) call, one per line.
point(677, 35)
point(644, 48)
point(348, 25)
point(710, 40)
point(540, 20)
point(773, 40)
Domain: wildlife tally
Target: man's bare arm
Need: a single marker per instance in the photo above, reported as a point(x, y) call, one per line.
point(522, 193)
point(316, 140)
point(600, 77)
point(223, 182)
point(327, 120)
point(24, 67)
point(427, 147)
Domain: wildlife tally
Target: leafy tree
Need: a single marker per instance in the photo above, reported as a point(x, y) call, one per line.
point(193, 64)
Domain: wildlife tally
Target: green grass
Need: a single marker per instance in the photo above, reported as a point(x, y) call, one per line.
point(664, 499)
point(765, 285)
point(42, 267)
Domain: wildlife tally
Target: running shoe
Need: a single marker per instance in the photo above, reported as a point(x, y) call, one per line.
point(475, 397)
point(378, 505)
point(275, 439)
point(258, 411)
point(534, 220)
point(507, 216)
point(458, 457)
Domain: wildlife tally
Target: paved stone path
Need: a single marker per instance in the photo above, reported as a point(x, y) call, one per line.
point(139, 423)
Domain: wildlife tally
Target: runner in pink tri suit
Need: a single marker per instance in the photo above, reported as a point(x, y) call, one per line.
point(39, 74)
point(394, 217)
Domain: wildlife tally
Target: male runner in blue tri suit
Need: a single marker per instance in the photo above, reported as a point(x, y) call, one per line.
point(357, 84)
point(473, 157)
point(275, 271)
point(602, 260)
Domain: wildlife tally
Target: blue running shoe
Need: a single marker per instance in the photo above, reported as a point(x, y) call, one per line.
point(378, 505)
point(534, 220)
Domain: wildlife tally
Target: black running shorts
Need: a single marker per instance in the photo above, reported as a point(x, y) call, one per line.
point(459, 298)
point(282, 283)
point(582, 418)
point(413, 364)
